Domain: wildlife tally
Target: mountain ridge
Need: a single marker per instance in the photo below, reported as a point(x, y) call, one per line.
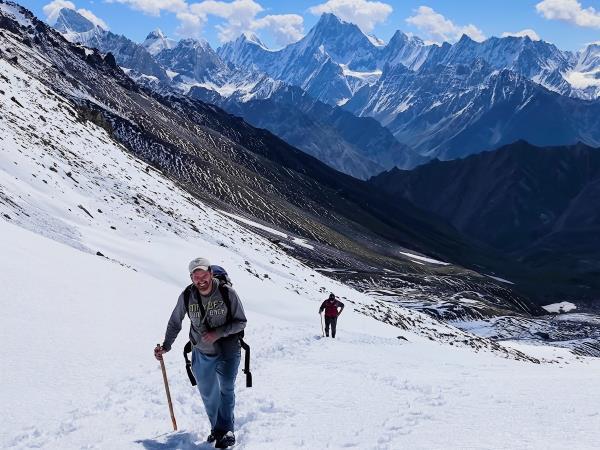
point(536, 204)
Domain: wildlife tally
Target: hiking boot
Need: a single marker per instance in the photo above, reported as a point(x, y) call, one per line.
point(213, 436)
point(227, 440)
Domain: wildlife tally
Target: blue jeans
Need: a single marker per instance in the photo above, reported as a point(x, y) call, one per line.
point(215, 376)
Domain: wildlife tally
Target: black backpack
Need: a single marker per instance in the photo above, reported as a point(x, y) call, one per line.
point(224, 283)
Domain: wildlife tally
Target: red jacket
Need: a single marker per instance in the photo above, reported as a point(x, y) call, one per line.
point(331, 307)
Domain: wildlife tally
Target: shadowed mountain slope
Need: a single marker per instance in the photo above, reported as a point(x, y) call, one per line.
point(540, 205)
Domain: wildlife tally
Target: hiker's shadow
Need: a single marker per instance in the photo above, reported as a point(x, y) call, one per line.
point(180, 440)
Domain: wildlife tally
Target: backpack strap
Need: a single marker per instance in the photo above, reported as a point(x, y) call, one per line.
point(186, 301)
point(246, 368)
point(224, 291)
point(188, 364)
point(186, 298)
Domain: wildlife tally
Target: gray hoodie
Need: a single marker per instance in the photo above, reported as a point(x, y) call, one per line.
point(214, 320)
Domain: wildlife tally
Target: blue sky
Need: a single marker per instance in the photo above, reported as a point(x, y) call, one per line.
point(569, 24)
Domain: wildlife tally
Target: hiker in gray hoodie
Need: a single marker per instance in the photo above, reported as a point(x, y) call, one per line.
point(216, 348)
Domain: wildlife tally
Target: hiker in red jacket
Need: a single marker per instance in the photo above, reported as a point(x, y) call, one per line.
point(331, 306)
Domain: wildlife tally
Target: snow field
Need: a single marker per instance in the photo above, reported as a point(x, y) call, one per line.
point(90, 381)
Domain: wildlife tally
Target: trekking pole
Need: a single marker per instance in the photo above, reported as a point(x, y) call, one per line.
point(322, 330)
point(164, 374)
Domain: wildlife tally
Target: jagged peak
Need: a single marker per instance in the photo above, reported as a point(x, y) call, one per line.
point(331, 28)
point(466, 39)
point(70, 20)
point(194, 43)
point(401, 38)
point(156, 34)
point(330, 23)
point(376, 41)
point(328, 19)
point(249, 36)
point(591, 46)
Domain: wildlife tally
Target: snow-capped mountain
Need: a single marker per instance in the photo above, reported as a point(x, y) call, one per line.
point(410, 51)
point(335, 53)
point(585, 75)
point(357, 57)
point(244, 50)
point(76, 28)
point(450, 111)
point(193, 67)
point(194, 60)
point(538, 61)
point(343, 41)
point(310, 63)
point(589, 58)
point(437, 101)
point(156, 41)
point(396, 84)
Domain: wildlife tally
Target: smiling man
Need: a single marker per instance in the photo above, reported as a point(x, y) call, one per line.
point(217, 319)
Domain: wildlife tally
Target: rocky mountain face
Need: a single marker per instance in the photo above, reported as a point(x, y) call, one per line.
point(360, 147)
point(537, 204)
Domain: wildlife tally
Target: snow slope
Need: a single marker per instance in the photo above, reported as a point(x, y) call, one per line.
point(79, 327)
point(92, 383)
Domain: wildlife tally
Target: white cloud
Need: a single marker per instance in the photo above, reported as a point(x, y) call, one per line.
point(526, 32)
point(240, 17)
point(190, 25)
point(155, 7)
point(285, 28)
point(569, 11)
point(437, 28)
point(52, 9)
point(93, 18)
point(364, 13)
point(237, 10)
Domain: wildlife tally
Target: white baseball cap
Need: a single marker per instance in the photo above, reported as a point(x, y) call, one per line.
point(199, 264)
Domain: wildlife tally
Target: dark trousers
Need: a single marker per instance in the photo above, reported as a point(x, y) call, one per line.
point(330, 321)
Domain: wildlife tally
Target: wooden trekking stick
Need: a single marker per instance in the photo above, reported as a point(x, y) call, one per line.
point(164, 373)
